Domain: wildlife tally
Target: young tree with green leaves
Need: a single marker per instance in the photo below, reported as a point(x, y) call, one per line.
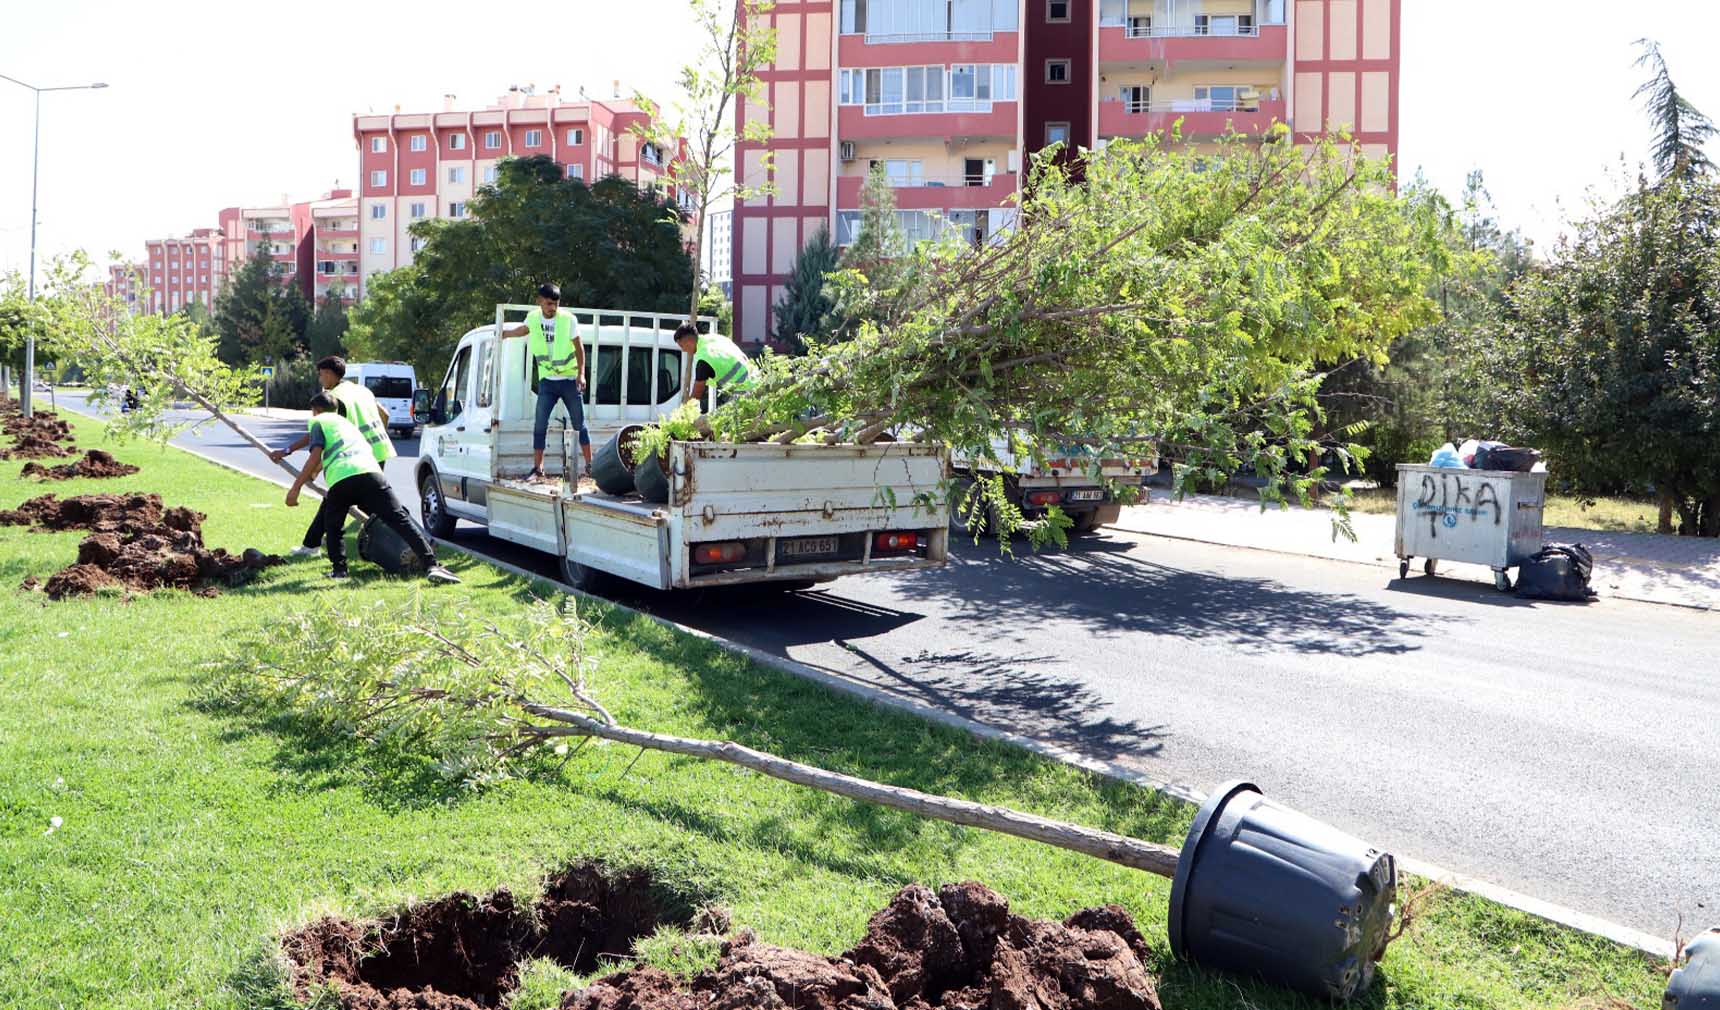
point(735, 45)
point(249, 318)
point(805, 309)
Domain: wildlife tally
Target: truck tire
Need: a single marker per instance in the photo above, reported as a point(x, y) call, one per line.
point(958, 512)
point(1086, 523)
point(432, 508)
point(582, 578)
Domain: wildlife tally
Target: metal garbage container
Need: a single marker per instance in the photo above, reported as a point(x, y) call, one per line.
point(1479, 517)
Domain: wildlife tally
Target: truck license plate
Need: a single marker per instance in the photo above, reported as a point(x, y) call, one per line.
point(807, 547)
point(1086, 496)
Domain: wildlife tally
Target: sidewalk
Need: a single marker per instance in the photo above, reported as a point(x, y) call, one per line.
point(1648, 567)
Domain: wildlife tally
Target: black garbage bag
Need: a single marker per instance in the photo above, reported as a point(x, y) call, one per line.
point(1494, 456)
point(1559, 572)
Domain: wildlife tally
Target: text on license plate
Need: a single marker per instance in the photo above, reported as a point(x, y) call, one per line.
point(806, 547)
point(1086, 496)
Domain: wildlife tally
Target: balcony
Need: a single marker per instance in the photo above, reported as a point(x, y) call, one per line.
point(896, 49)
point(1139, 41)
point(970, 119)
point(338, 233)
point(958, 192)
point(1118, 118)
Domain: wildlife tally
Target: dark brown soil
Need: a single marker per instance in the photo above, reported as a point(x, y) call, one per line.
point(461, 952)
point(96, 463)
point(35, 437)
point(957, 949)
point(135, 544)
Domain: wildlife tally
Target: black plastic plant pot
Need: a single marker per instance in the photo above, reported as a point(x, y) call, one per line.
point(1265, 892)
point(388, 550)
point(651, 480)
point(612, 465)
point(1695, 984)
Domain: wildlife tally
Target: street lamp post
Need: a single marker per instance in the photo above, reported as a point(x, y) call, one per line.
point(29, 383)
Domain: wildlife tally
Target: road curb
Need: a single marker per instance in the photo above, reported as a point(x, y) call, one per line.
point(1558, 914)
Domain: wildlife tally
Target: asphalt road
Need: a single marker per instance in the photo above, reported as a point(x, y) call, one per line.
point(1563, 751)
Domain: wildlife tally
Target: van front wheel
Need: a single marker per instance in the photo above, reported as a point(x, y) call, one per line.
point(433, 509)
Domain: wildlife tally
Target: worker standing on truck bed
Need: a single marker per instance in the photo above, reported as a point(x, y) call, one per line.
point(716, 360)
point(356, 404)
point(560, 358)
point(355, 479)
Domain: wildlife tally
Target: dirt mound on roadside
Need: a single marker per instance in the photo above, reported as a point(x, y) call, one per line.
point(462, 952)
point(35, 437)
point(135, 544)
point(96, 463)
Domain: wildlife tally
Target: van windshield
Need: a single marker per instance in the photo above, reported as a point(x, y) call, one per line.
point(388, 387)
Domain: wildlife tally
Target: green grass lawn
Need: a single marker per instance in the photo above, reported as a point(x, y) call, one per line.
point(1611, 515)
point(191, 835)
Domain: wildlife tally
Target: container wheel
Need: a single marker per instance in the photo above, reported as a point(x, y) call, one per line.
point(1430, 566)
point(1403, 569)
point(1501, 580)
point(433, 509)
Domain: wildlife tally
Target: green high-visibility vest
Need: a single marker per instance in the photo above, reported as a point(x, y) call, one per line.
point(344, 450)
point(360, 409)
point(730, 366)
point(555, 353)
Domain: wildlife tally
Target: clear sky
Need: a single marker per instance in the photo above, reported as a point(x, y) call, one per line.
point(214, 104)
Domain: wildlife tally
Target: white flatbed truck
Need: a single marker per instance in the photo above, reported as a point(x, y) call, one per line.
point(793, 515)
point(1069, 478)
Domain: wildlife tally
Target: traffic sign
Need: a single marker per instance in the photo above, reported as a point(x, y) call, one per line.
point(268, 371)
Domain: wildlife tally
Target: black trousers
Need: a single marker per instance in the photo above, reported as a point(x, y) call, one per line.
point(371, 493)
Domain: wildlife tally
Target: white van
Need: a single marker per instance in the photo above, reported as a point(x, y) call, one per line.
point(392, 383)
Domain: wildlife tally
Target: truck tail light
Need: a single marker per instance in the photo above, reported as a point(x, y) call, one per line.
point(1044, 497)
point(718, 553)
point(895, 541)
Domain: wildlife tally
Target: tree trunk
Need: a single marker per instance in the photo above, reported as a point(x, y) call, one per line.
point(1131, 852)
point(1709, 526)
point(1665, 525)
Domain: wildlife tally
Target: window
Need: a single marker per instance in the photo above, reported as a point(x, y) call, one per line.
point(417, 211)
point(457, 173)
point(378, 211)
point(650, 153)
point(1113, 12)
point(576, 136)
point(1056, 133)
point(1056, 71)
point(1136, 97)
point(379, 145)
point(902, 171)
point(416, 243)
point(416, 177)
point(492, 139)
point(379, 178)
point(456, 141)
point(457, 209)
point(486, 373)
point(576, 171)
point(534, 138)
point(1223, 97)
point(1003, 82)
point(1056, 10)
point(420, 142)
point(378, 246)
point(453, 394)
point(920, 21)
point(490, 173)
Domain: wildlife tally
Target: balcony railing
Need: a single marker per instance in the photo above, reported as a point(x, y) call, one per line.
point(919, 108)
point(943, 181)
point(1190, 105)
point(1143, 28)
point(907, 37)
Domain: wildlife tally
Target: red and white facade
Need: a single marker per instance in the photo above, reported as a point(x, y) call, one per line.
point(950, 99)
point(415, 166)
point(312, 241)
point(178, 271)
point(126, 283)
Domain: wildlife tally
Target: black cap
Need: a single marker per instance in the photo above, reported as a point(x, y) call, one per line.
point(549, 291)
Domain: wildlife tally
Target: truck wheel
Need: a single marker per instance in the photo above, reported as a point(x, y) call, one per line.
point(1086, 523)
point(958, 511)
point(433, 509)
point(582, 578)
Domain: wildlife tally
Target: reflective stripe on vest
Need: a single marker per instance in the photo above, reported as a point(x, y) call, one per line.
point(730, 367)
point(554, 354)
point(344, 451)
point(360, 404)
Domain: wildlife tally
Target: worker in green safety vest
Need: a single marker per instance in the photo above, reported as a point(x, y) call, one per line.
point(356, 404)
point(718, 362)
point(553, 343)
point(339, 451)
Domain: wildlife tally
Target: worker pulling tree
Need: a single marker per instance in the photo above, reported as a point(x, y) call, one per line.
point(356, 404)
point(560, 361)
point(717, 361)
point(355, 480)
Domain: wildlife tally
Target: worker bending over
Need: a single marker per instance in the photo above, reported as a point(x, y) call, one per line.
point(356, 404)
point(339, 450)
point(717, 361)
point(560, 359)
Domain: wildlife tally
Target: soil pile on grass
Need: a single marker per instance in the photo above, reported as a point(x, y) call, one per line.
point(462, 952)
point(135, 544)
point(96, 463)
point(35, 437)
point(958, 949)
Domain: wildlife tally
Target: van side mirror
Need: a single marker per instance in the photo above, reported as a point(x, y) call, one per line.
point(420, 405)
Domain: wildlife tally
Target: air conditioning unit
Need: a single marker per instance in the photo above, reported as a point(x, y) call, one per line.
point(847, 150)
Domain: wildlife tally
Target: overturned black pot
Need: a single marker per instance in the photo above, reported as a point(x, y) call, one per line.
point(1263, 891)
point(612, 465)
point(651, 480)
point(386, 549)
point(1695, 982)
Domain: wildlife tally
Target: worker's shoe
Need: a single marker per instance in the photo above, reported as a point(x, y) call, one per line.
point(337, 575)
point(442, 576)
point(536, 474)
point(301, 552)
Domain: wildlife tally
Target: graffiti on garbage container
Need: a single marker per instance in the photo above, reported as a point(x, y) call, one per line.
point(1449, 498)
